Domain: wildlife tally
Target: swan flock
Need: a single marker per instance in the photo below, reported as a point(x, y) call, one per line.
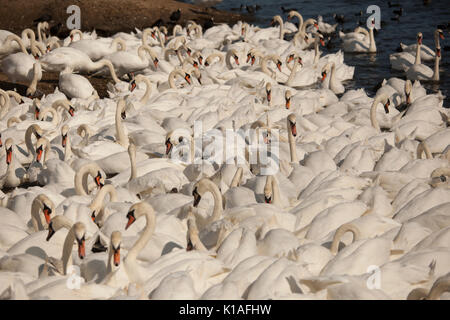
point(226, 163)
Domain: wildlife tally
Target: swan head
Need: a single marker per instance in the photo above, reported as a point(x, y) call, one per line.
point(269, 91)
point(56, 223)
point(291, 121)
point(80, 231)
point(64, 132)
point(136, 211)
point(192, 232)
point(40, 148)
point(46, 205)
point(187, 77)
point(200, 188)
point(439, 177)
point(132, 85)
point(290, 15)
point(287, 97)
point(268, 195)
point(99, 180)
point(9, 150)
point(116, 240)
point(384, 99)
point(438, 52)
point(440, 33)
point(419, 38)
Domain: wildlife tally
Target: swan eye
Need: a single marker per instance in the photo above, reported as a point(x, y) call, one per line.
point(180, 139)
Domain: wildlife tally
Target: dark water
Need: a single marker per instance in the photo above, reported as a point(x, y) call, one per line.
point(370, 69)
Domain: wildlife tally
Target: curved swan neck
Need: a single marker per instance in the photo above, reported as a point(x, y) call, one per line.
point(37, 220)
point(172, 75)
point(148, 90)
point(81, 176)
point(94, 66)
point(145, 235)
point(423, 147)
point(348, 227)
point(97, 203)
point(121, 138)
point(237, 177)
point(373, 113)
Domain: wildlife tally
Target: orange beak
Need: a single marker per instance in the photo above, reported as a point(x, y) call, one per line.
point(187, 78)
point(133, 86)
point(200, 60)
point(117, 257)
point(155, 63)
point(253, 60)
point(36, 113)
point(249, 56)
point(8, 156)
point(294, 129)
point(322, 42)
point(236, 59)
point(279, 66)
point(419, 40)
point(131, 220)
point(441, 36)
point(39, 154)
point(288, 103)
point(324, 75)
point(46, 215)
point(81, 249)
point(290, 58)
point(438, 52)
point(64, 140)
point(168, 146)
point(386, 106)
point(93, 216)
point(71, 111)
point(269, 95)
point(153, 35)
point(316, 25)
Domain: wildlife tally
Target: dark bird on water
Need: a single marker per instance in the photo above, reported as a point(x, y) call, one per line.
point(175, 16)
point(390, 4)
point(339, 18)
point(287, 10)
point(398, 12)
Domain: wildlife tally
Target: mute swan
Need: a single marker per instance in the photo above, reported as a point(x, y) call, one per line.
point(426, 53)
point(332, 83)
point(44, 204)
point(357, 45)
point(81, 178)
point(15, 173)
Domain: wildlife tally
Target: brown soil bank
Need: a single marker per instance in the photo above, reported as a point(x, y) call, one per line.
point(106, 16)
